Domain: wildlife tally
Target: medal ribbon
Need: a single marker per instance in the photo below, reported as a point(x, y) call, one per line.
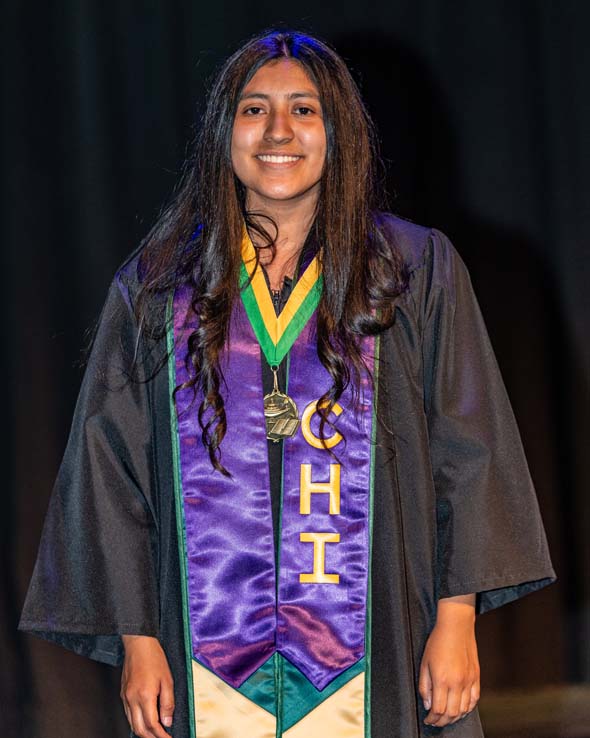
point(276, 334)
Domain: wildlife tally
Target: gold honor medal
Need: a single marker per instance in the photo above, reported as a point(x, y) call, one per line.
point(280, 412)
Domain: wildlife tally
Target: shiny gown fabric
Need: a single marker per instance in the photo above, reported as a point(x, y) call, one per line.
point(449, 472)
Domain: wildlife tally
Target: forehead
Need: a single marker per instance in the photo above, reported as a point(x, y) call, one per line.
point(280, 75)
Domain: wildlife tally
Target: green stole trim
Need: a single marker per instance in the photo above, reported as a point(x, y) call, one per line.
point(180, 527)
point(368, 629)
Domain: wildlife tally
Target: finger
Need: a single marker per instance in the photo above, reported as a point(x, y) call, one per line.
point(128, 714)
point(464, 705)
point(474, 695)
point(425, 686)
point(123, 702)
point(137, 724)
point(166, 703)
point(439, 703)
point(453, 711)
point(149, 711)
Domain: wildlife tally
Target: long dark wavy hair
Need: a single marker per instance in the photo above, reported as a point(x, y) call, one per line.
point(197, 238)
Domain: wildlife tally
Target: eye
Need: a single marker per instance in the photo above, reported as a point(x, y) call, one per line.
point(304, 110)
point(252, 110)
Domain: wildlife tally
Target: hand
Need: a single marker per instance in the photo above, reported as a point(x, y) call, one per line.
point(147, 677)
point(449, 672)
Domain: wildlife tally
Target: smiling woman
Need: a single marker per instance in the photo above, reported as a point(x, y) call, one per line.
point(294, 476)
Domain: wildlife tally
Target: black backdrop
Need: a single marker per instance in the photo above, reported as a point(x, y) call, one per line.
point(484, 113)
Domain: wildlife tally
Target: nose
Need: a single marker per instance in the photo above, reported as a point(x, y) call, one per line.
point(278, 129)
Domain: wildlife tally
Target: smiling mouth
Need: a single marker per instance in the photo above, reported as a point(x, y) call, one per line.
point(277, 159)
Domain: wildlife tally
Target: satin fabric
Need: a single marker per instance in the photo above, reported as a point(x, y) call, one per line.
point(320, 627)
point(340, 715)
point(221, 711)
point(228, 520)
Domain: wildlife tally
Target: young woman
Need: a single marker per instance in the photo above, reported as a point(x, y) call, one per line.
point(294, 476)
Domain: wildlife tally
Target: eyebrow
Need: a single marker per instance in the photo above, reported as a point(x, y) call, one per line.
point(290, 96)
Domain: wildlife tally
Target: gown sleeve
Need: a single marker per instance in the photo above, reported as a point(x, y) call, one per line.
point(490, 536)
point(95, 573)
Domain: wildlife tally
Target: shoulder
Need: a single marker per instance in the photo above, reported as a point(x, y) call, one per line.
point(128, 276)
point(140, 303)
point(145, 261)
point(410, 239)
point(427, 251)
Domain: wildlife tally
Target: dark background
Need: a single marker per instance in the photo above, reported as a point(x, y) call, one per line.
point(484, 113)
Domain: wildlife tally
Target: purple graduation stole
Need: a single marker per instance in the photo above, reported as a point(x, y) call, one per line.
point(274, 651)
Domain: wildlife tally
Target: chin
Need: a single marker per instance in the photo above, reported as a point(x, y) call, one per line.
point(283, 194)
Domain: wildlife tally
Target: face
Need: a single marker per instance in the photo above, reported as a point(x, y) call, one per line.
point(278, 144)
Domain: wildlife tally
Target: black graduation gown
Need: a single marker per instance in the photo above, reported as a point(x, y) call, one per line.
point(455, 508)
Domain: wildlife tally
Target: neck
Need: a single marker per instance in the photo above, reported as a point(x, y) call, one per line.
point(293, 219)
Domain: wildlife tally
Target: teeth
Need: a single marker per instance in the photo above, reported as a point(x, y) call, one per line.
point(277, 159)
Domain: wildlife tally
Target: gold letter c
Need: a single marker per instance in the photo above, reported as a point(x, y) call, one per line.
point(309, 436)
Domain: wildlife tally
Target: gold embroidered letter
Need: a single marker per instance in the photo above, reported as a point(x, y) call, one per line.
point(312, 439)
point(306, 487)
point(319, 541)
